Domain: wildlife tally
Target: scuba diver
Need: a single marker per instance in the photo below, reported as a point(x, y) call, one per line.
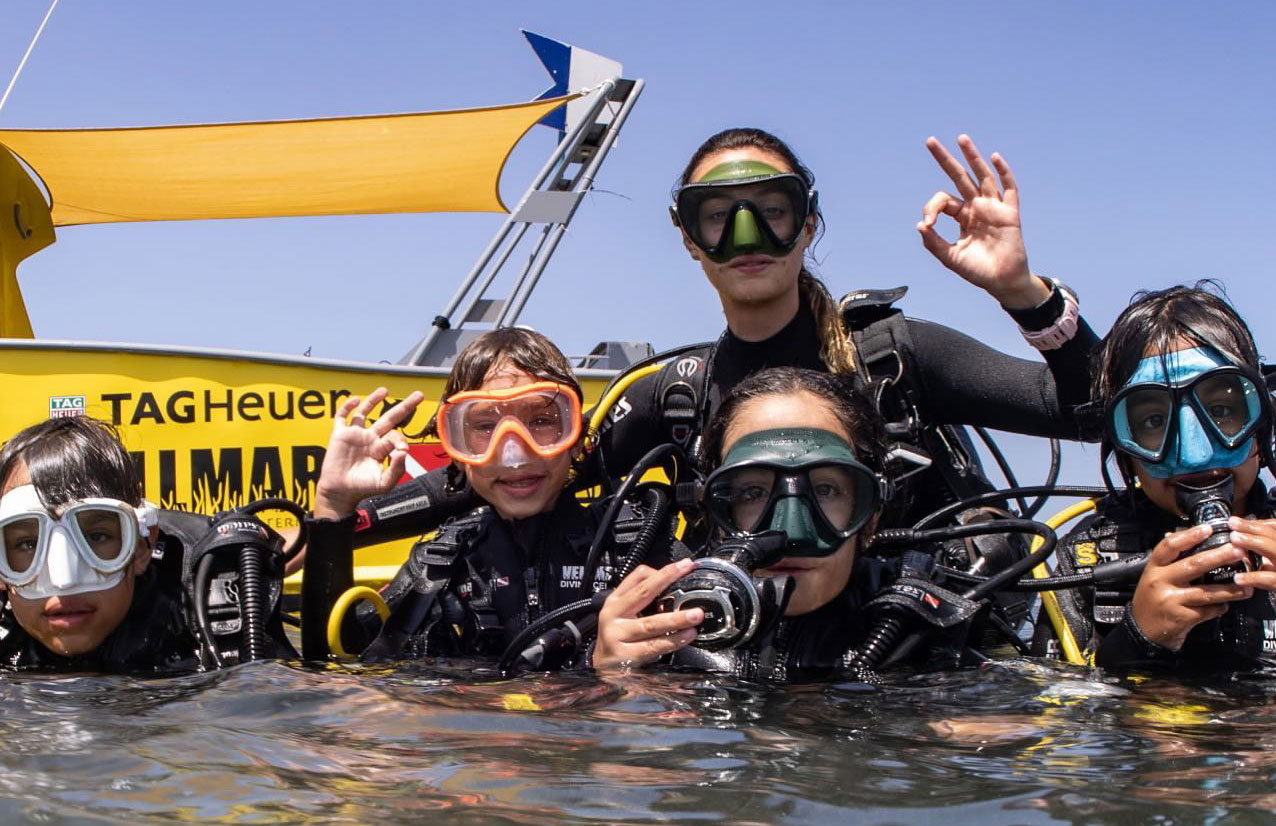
point(748, 214)
point(512, 424)
point(97, 579)
point(1187, 412)
point(788, 588)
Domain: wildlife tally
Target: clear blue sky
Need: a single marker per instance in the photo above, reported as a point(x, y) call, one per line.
point(1139, 133)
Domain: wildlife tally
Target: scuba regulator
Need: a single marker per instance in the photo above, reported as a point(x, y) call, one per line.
point(1210, 504)
point(736, 604)
point(232, 578)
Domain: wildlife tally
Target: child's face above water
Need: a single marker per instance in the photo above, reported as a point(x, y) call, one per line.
point(72, 624)
point(1193, 454)
point(530, 485)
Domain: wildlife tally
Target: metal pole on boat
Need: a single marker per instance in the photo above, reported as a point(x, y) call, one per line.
point(512, 311)
point(565, 147)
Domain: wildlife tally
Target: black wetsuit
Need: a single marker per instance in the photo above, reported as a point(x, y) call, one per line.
point(473, 588)
point(1100, 619)
point(154, 635)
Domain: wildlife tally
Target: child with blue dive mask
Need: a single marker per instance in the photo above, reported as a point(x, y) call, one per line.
point(75, 553)
point(1188, 415)
point(797, 451)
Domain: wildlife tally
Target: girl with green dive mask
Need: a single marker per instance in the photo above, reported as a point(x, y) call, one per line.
point(797, 451)
point(1188, 418)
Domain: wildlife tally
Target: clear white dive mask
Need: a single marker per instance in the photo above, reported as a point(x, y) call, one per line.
point(86, 547)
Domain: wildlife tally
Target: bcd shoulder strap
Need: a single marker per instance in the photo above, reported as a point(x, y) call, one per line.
point(432, 565)
point(882, 343)
point(683, 387)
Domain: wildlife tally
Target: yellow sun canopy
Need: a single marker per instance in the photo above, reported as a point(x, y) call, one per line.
point(432, 162)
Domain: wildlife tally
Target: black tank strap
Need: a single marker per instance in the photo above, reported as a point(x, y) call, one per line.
point(682, 395)
point(435, 564)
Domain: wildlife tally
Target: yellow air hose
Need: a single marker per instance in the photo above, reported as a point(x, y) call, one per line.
point(1071, 651)
point(615, 392)
point(339, 608)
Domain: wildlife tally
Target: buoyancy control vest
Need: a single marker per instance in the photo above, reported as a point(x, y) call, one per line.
point(471, 588)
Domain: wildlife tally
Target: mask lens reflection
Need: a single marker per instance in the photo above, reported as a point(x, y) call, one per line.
point(747, 494)
point(833, 488)
point(21, 540)
point(103, 531)
point(1146, 413)
point(1230, 401)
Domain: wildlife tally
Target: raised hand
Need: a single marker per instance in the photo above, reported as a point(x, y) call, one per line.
point(989, 251)
point(362, 461)
point(625, 638)
point(1167, 605)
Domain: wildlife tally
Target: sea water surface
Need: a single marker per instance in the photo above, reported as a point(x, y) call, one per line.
point(1016, 742)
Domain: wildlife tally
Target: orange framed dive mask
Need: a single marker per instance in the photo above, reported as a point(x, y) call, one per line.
point(544, 417)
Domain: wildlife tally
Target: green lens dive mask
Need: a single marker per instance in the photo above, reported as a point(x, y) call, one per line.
point(803, 481)
point(744, 208)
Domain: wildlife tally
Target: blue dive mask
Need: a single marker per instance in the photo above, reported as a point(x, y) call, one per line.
point(1187, 411)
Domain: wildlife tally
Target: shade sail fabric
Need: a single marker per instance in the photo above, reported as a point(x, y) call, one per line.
point(432, 162)
point(25, 229)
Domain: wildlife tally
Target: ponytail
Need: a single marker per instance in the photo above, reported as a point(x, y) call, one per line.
point(837, 351)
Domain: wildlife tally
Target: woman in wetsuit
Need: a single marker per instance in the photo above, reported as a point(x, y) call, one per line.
point(1188, 415)
point(511, 421)
point(790, 450)
point(748, 214)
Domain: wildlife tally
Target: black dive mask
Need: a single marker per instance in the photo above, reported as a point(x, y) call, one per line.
point(743, 208)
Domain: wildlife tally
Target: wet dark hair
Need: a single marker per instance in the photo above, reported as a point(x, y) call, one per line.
point(836, 348)
point(851, 408)
point(71, 459)
point(528, 350)
point(1155, 319)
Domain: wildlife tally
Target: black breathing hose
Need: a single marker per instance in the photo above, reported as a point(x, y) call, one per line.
point(886, 638)
point(1121, 570)
point(252, 604)
point(882, 639)
point(1025, 510)
point(559, 615)
point(943, 513)
point(201, 609)
point(1002, 465)
point(658, 502)
point(1056, 461)
point(910, 537)
point(646, 463)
